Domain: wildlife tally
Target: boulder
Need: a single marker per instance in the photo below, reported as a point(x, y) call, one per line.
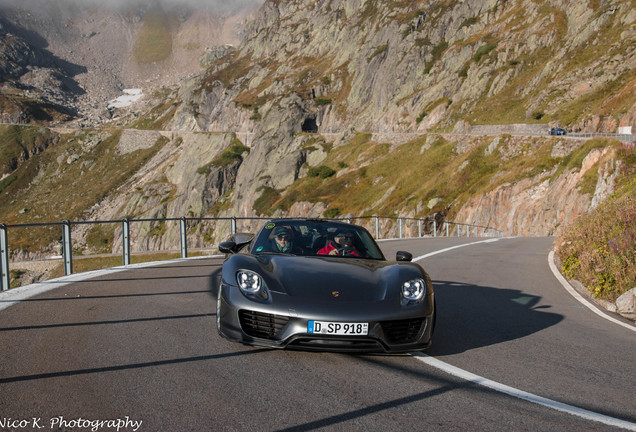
point(626, 304)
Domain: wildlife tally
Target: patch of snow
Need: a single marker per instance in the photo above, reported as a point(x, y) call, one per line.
point(129, 96)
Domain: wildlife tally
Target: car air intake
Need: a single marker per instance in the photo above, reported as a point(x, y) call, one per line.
point(402, 331)
point(261, 325)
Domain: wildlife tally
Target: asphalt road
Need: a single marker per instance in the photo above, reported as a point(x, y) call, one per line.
point(141, 346)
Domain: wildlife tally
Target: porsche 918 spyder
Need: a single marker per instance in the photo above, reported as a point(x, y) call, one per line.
point(322, 285)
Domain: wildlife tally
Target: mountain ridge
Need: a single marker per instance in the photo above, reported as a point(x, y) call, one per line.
point(316, 93)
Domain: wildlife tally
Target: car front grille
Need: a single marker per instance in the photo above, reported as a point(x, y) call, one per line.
point(261, 325)
point(402, 331)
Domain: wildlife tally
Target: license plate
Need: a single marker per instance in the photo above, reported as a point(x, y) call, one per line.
point(337, 328)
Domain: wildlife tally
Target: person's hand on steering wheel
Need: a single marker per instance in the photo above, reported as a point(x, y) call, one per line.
point(347, 251)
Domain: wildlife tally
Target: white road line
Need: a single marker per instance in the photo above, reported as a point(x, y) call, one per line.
point(579, 297)
point(511, 391)
point(454, 247)
point(502, 388)
point(16, 295)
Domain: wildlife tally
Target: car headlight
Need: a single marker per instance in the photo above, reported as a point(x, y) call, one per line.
point(251, 283)
point(413, 291)
point(248, 281)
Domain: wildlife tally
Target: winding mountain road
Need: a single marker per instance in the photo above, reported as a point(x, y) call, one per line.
point(138, 350)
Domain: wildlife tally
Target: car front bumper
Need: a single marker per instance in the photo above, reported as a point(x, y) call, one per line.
point(283, 323)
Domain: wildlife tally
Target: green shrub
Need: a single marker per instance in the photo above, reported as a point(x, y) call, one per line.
point(331, 212)
point(230, 155)
point(483, 51)
point(264, 204)
point(322, 101)
point(14, 278)
point(469, 22)
point(436, 52)
point(421, 116)
point(379, 50)
point(538, 115)
point(321, 171)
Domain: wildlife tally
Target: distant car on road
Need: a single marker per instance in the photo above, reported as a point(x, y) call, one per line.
point(558, 131)
point(322, 285)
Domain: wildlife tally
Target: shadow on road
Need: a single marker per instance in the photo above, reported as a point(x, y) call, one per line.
point(472, 316)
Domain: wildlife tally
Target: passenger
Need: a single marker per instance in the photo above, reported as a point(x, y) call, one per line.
point(283, 242)
point(342, 244)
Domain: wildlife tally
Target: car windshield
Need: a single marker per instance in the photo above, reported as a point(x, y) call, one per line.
point(316, 238)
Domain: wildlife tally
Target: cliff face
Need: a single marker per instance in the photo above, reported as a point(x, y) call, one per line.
point(542, 205)
point(391, 66)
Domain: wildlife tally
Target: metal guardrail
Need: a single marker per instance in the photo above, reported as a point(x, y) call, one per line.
point(625, 138)
point(458, 229)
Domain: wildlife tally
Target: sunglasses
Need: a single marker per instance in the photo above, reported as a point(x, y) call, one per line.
point(282, 237)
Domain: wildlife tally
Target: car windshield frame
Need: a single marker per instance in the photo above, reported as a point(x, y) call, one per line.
point(309, 237)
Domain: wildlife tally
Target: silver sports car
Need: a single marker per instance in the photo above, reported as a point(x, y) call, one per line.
point(322, 285)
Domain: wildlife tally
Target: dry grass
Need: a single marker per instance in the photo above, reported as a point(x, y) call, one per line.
point(600, 248)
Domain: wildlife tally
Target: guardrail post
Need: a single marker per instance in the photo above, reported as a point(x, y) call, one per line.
point(467, 230)
point(233, 225)
point(184, 237)
point(4, 258)
point(419, 227)
point(434, 228)
point(67, 248)
point(125, 232)
point(377, 227)
point(400, 224)
point(447, 233)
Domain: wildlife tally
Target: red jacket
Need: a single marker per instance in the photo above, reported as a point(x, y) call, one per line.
point(331, 246)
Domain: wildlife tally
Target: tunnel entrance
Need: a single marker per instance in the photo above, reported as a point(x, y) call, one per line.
point(309, 125)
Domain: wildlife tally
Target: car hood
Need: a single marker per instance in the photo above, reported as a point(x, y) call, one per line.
point(325, 278)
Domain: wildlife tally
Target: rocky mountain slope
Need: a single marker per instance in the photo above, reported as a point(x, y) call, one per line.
point(348, 107)
point(80, 57)
point(395, 68)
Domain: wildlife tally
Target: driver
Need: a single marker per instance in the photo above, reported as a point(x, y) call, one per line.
point(342, 244)
point(283, 241)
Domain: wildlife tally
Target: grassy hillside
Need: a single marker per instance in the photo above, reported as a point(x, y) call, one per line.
point(434, 173)
point(63, 181)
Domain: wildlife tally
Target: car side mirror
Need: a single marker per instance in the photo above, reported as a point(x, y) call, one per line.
point(228, 247)
point(403, 256)
point(237, 242)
